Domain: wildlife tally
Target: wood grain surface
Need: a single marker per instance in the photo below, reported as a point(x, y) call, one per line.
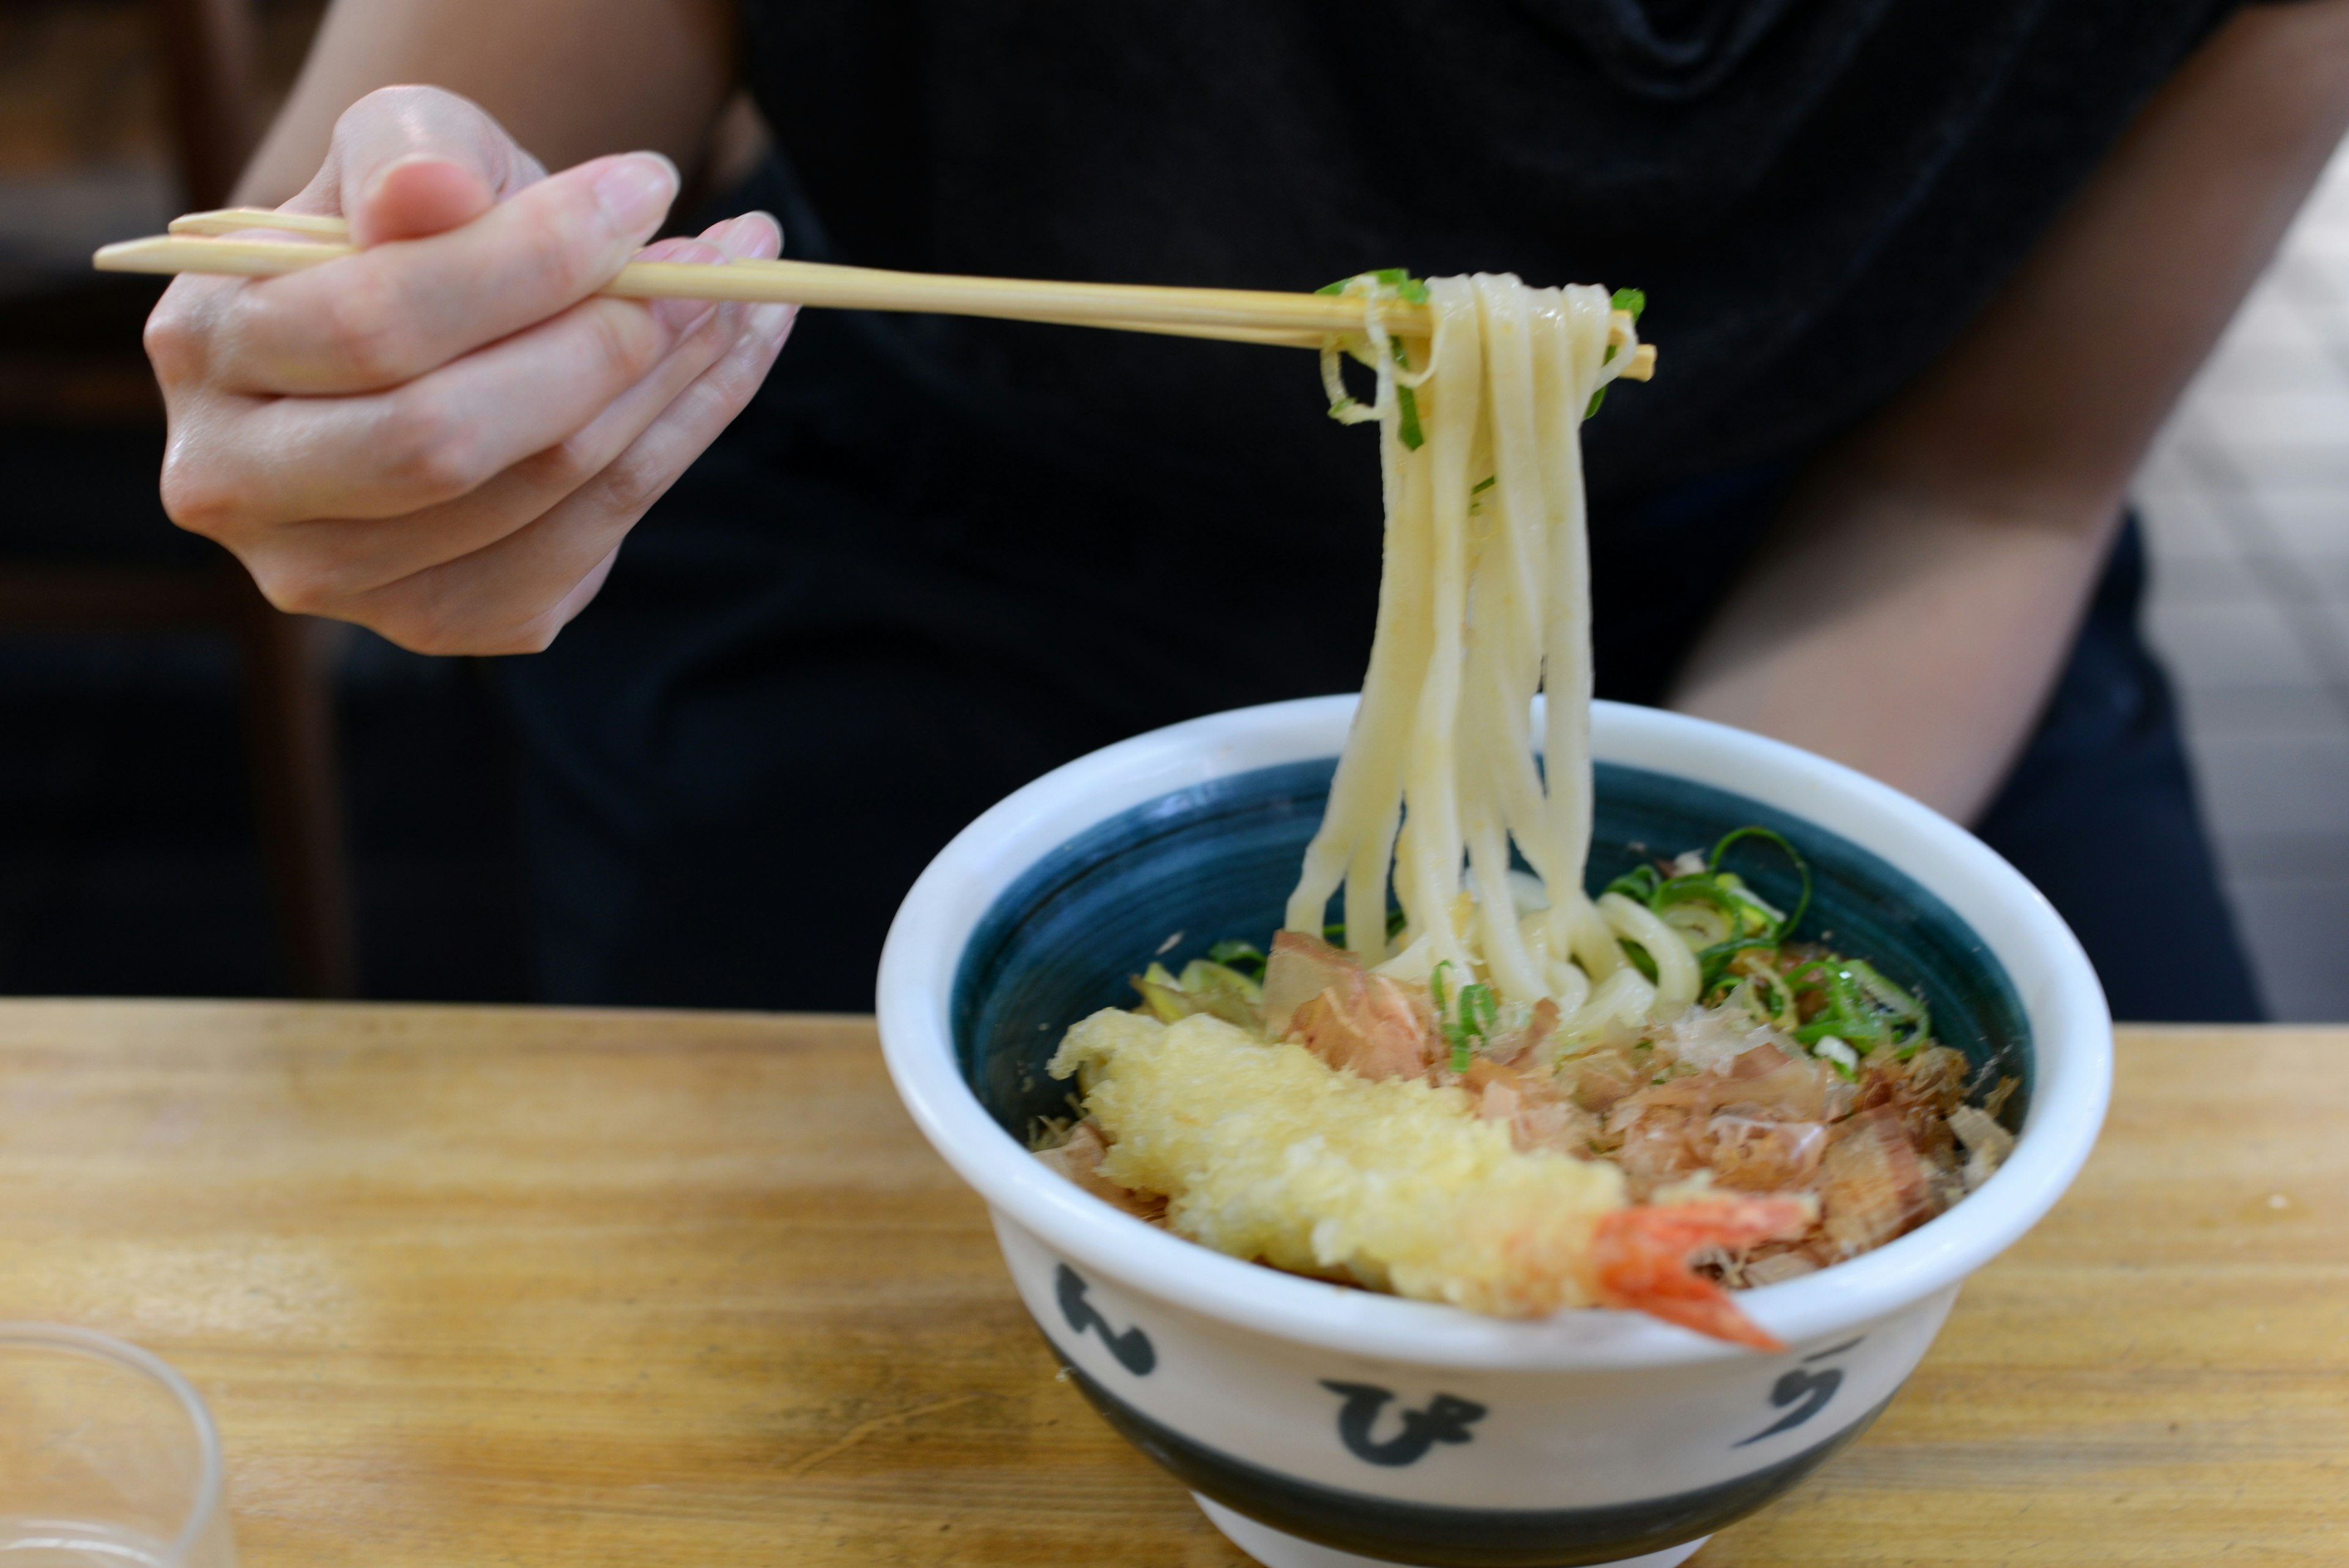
point(510, 1286)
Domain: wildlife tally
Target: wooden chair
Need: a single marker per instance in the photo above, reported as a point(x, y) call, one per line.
point(75, 357)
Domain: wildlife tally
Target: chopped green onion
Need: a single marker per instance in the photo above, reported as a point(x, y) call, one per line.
point(1205, 986)
point(1473, 1020)
point(1334, 933)
point(1701, 888)
point(1407, 287)
point(1412, 437)
point(1634, 300)
point(1802, 868)
point(1712, 963)
point(1485, 485)
point(1407, 401)
point(1597, 398)
point(1246, 958)
point(1703, 912)
point(1638, 884)
point(1761, 991)
point(1860, 1007)
point(1162, 994)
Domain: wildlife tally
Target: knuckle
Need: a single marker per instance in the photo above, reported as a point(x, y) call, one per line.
point(563, 467)
point(294, 587)
point(175, 340)
point(455, 626)
point(202, 496)
point(623, 342)
point(427, 450)
point(294, 576)
point(632, 483)
point(409, 617)
point(428, 630)
point(366, 329)
point(428, 613)
point(558, 262)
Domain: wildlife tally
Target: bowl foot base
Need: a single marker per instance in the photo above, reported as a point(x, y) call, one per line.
point(1276, 1550)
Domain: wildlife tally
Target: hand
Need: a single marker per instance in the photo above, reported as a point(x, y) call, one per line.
point(446, 437)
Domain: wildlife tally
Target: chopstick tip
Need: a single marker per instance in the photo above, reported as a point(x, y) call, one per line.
point(131, 256)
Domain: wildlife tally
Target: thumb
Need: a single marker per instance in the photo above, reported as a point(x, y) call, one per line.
point(417, 195)
point(406, 161)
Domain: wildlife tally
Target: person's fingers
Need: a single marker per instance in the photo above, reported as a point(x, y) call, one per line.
point(315, 566)
point(178, 334)
point(388, 315)
point(394, 126)
point(404, 162)
point(753, 236)
point(515, 595)
point(419, 194)
point(382, 454)
point(312, 566)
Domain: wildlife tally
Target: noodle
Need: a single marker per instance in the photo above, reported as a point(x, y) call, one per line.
point(1485, 599)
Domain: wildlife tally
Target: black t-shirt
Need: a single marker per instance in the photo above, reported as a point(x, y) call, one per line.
point(1815, 196)
point(939, 557)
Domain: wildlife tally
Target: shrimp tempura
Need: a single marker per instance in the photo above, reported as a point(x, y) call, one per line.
point(1265, 1152)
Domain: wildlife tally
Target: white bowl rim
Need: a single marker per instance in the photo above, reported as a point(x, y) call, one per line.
point(2065, 1006)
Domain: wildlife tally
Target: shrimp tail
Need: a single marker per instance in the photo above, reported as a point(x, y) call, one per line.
point(1640, 1259)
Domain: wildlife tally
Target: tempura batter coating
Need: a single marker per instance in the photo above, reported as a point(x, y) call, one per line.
point(1264, 1152)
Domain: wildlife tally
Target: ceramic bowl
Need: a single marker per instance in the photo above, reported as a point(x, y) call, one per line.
point(1320, 1424)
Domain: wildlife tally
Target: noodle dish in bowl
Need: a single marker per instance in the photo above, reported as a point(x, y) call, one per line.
point(1469, 1124)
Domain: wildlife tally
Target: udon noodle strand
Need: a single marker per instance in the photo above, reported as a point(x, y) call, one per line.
point(1484, 599)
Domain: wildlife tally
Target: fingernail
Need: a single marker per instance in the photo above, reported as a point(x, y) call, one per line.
point(753, 235)
point(682, 315)
point(772, 320)
point(636, 191)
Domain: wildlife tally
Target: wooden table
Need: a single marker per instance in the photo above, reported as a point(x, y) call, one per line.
point(500, 1286)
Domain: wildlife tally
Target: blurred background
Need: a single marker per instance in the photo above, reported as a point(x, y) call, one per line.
point(199, 796)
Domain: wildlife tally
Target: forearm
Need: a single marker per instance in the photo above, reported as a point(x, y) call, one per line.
point(1914, 642)
point(570, 79)
point(1909, 611)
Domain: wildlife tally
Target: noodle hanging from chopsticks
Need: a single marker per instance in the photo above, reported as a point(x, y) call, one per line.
point(1484, 599)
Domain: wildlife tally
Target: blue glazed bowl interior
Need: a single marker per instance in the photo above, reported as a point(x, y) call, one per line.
point(1174, 875)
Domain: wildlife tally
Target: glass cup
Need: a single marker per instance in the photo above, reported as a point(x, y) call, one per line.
point(107, 1459)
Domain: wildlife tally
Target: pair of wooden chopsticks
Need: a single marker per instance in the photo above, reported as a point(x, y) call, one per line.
point(198, 243)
